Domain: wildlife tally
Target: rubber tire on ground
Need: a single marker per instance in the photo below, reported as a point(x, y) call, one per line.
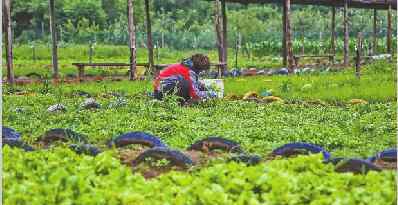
point(61, 134)
point(175, 157)
point(284, 150)
point(138, 137)
point(9, 133)
point(17, 144)
point(356, 166)
point(212, 143)
point(87, 149)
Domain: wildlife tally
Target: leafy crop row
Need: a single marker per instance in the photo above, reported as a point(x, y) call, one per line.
point(62, 177)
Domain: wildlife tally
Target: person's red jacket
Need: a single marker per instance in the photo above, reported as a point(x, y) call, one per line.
point(175, 70)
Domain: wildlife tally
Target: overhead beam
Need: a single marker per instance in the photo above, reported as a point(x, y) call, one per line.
point(149, 36)
point(8, 40)
point(346, 34)
point(54, 48)
point(132, 43)
point(365, 4)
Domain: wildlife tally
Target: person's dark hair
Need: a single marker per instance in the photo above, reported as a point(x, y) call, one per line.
point(200, 62)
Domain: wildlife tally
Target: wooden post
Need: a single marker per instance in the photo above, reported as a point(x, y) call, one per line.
point(149, 36)
point(389, 33)
point(333, 36)
point(237, 45)
point(346, 34)
point(8, 40)
point(224, 35)
point(358, 56)
point(284, 53)
point(374, 49)
point(81, 72)
point(218, 25)
point(54, 50)
point(302, 37)
point(90, 52)
point(132, 44)
point(289, 49)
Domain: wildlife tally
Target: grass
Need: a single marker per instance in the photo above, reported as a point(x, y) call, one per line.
point(343, 129)
point(377, 84)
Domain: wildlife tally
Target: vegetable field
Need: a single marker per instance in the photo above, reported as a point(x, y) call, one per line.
point(317, 108)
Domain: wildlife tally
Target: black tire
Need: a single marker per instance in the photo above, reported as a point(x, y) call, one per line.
point(175, 157)
point(17, 144)
point(141, 138)
point(388, 155)
point(9, 133)
point(213, 143)
point(87, 149)
point(356, 166)
point(297, 148)
point(63, 135)
point(249, 160)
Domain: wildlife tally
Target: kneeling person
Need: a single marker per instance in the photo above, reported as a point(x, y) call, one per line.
point(182, 79)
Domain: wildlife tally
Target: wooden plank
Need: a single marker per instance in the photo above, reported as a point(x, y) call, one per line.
point(374, 47)
point(8, 40)
point(54, 49)
point(333, 35)
point(149, 36)
point(289, 47)
point(313, 56)
point(224, 35)
point(132, 44)
point(346, 34)
point(389, 32)
point(108, 64)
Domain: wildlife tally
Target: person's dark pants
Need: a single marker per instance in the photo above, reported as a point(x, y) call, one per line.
point(179, 88)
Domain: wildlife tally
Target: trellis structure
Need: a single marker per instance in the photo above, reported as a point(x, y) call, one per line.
point(220, 27)
point(288, 58)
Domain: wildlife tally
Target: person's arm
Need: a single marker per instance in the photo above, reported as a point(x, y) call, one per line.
point(197, 87)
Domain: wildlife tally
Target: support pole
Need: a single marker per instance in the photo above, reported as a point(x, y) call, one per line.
point(218, 25)
point(358, 56)
point(374, 49)
point(149, 36)
point(132, 43)
point(224, 35)
point(302, 37)
point(54, 50)
point(346, 37)
point(237, 45)
point(333, 35)
point(289, 49)
point(8, 40)
point(389, 33)
point(284, 53)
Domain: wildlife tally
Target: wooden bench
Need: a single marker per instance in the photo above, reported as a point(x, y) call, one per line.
point(80, 66)
point(298, 57)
